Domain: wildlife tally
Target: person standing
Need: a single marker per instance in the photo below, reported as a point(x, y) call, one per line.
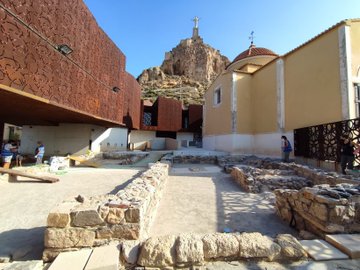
point(7, 152)
point(347, 154)
point(39, 153)
point(286, 149)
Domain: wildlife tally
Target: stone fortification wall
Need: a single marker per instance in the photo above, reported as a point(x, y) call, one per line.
point(83, 222)
point(321, 209)
point(189, 250)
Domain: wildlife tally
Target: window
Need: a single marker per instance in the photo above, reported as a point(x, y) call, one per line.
point(217, 96)
point(147, 119)
point(357, 98)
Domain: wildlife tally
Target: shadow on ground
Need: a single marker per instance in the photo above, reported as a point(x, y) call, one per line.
point(239, 211)
point(22, 244)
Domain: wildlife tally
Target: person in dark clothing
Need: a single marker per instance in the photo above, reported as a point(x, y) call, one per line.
point(286, 149)
point(347, 154)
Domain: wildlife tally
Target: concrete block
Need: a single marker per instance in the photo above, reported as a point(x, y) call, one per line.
point(320, 250)
point(74, 260)
point(347, 243)
point(104, 258)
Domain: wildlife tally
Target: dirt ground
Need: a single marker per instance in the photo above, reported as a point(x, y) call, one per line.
point(25, 205)
point(201, 198)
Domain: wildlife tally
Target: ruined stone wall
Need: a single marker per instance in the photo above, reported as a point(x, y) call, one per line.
point(95, 221)
point(30, 62)
point(321, 209)
point(256, 180)
point(257, 175)
point(189, 250)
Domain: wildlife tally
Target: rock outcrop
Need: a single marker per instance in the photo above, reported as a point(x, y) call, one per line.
point(186, 72)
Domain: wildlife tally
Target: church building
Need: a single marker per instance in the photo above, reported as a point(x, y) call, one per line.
point(262, 96)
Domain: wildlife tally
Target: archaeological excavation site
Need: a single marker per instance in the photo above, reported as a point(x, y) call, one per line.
point(202, 162)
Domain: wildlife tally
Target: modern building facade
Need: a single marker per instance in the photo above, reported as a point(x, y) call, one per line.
point(261, 95)
point(166, 118)
point(62, 79)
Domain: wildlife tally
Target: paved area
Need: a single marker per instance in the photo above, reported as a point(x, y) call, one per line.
point(25, 205)
point(209, 201)
point(302, 265)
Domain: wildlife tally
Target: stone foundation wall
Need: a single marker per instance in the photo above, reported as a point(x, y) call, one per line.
point(83, 222)
point(319, 176)
point(195, 159)
point(256, 180)
point(321, 209)
point(125, 157)
point(258, 175)
point(188, 250)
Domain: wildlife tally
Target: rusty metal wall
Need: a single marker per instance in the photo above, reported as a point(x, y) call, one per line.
point(169, 114)
point(82, 80)
point(132, 102)
point(195, 117)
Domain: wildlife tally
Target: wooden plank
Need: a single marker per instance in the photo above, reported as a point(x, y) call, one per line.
point(85, 162)
point(347, 243)
point(72, 260)
point(104, 258)
point(42, 178)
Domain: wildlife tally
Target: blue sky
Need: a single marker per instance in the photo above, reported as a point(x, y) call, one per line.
point(145, 29)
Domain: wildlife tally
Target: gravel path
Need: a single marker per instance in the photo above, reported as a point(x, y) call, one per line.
point(200, 198)
point(25, 205)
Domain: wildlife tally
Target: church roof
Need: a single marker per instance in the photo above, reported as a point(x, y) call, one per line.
point(253, 51)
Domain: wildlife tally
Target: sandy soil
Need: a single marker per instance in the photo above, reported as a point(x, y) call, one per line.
point(200, 198)
point(25, 205)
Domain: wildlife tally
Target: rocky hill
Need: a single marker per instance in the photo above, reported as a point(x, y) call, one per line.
point(186, 72)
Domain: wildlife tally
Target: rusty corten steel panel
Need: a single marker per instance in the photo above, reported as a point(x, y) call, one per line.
point(132, 102)
point(30, 64)
point(195, 117)
point(169, 114)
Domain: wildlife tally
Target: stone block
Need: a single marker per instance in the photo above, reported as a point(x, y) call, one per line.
point(347, 243)
point(319, 211)
point(126, 231)
point(59, 216)
point(86, 217)
point(66, 238)
point(133, 215)
point(71, 260)
point(158, 252)
point(130, 251)
point(290, 247)
point(256, 245)
point(116, 216)
point(104, 258)
point(189, 249)
point(104, 233)
point(220, 245)
point(320, 250)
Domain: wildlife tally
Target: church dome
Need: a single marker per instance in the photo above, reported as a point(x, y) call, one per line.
point(253, 51)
